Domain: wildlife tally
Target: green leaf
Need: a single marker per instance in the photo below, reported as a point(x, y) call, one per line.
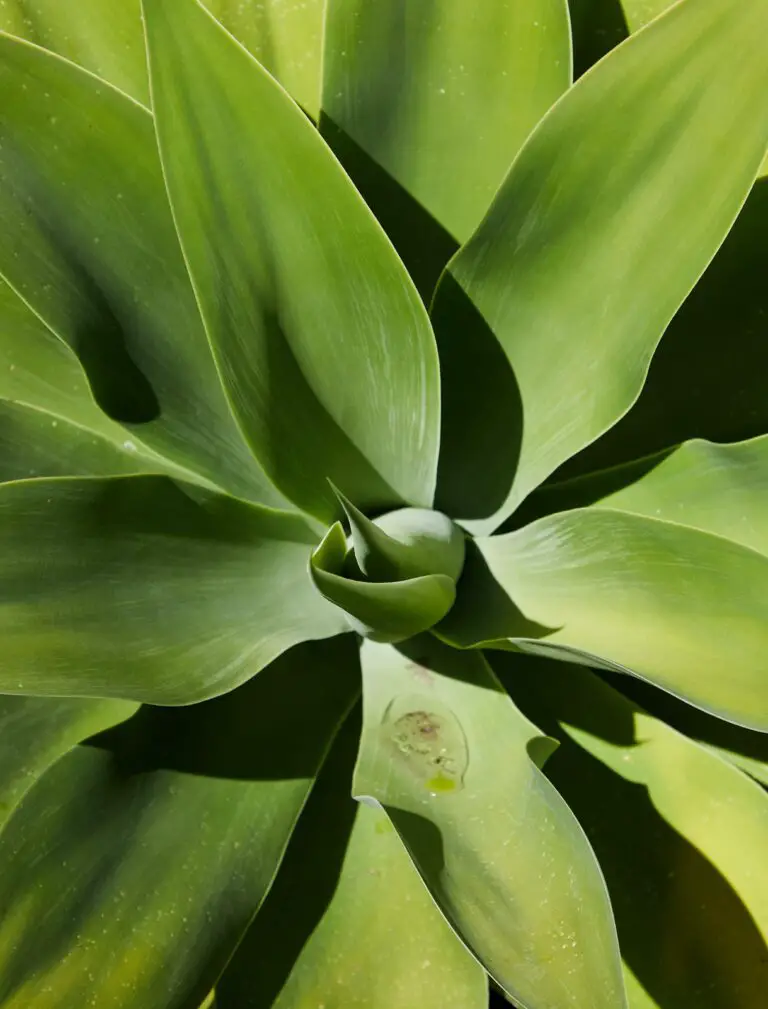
point(161, 839)
point(36, 731)
point(150, 590)
point(104, 36)
point(384, 611)
point(49, 423)
point(323, 344)
point(427, 105)
point(362, 932)
point(598, 234)
point(405, 543)
point(715, 349)
point(684, 609)
point(722, 489)
point(286, 38)
point(87, 240)
point(447, 753)
point(680, 835)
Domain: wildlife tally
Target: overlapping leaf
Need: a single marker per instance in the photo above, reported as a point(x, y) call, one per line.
point(87, 239)
point(680, 834)
point(447, 754)
point(427, 104)
point(597, 236)
point(323, 344)
point(348, 923)
point(161, 839)
point(150, 590)
point(685, 609)
point(36, 731)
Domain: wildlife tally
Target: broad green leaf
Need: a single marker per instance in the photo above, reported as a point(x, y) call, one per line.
point(87, 240)
point(348, 923)
point(447, 754)
point(49, 423)
point(324, 347)
point(639, 13)
point(680, 835)
point(722, 489)
point(36, 731)
point(742, 747)
point(608, 217)
point(427, 105)
point(131, 870)
point(104, 36)
point(684, 609)
point(706, 378)
point(385, 611)
point(141, 588)
point(286, 38)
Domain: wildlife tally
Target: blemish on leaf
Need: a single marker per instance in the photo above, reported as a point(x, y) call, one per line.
point(427, 740)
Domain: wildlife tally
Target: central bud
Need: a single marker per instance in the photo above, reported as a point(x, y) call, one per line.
point(394, 576)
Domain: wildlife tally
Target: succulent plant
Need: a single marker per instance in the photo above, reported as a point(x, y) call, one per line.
point(369, 631)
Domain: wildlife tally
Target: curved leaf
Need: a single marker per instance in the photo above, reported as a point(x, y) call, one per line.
point(405, 543)
point(286, 38)
point(305, 302)
point(447, 754)
point(721, 489)
point(427, 104)
point(684, 609)
point(680, 834)
point(104, 36)
point(87, 239)
point(130, 872)
point(599, 231)
point(348, 923)
point(384, 611)
point(141, 588)
point(36, 731)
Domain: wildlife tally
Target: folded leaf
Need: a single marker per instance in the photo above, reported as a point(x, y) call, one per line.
point(427, 105)
point(722, 489)
point(447, 754)
point(87, 240)
point(608, 217)
point(687, 881)
point(36, 731)
point(684, 609)
point(362, 932)
point(384, 611)
point(150, 590)
point(161, 839)
point(324, 347)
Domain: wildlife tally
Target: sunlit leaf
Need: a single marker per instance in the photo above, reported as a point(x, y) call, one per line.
point(452, 760)
point(684, 609)
point(427, 104)
point(362, 932)
point(609, 216)
point(152, 590)
point(680, 835)
point(323, 344)
point(87, 239)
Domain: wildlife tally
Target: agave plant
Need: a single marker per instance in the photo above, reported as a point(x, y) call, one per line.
point(323, 330)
